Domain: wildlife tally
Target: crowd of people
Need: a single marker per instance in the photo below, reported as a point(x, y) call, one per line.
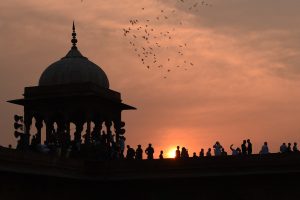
point(105, 147)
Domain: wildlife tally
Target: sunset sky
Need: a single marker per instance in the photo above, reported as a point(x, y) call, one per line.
point(244, 81)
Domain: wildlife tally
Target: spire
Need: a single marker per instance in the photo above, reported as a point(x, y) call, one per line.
point(74, 39)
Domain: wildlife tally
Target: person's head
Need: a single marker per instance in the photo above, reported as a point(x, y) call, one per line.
point(289, 144)
point(139, 146)
point(202, 150)
point(128, 146)
point(295, 143)
point(194, 154)
point(178, 147)
point(248, 140)
point(209, 149)
point(265, 143)
point(150, 144)
point(217, 143)
point(283, 143)
point(161, 152)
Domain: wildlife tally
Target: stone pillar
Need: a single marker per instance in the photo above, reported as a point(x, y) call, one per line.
point(27, 123)
point(96, 133)
point(77, 134)
point(39, 126)
point(88, 133)
point(49, 129)
point(108, 125)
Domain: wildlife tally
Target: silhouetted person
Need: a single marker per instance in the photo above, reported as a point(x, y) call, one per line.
point(184, 153)
point(223, 152)
point(139, 153)
point(149, 151)
point(208, 153)
point(289, 148)
point(201, 154)
point(234, 151)
point(130, 153)
point(295, 148)
point(249, 147)
point(177, 156)
point(283, 148)
point(195, 155)
point(244, 148)
point(264, 148)
point(217, 149)
point(161, 155)
point(122, 145)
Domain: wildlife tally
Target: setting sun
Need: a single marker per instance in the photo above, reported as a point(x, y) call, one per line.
point(171, 152)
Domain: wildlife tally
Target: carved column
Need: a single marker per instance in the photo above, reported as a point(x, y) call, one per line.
point(88, 133)
point(27, 124)
point(49, 129)
point(96, 133)
point(39, 126)
point(77, 134)
point(108, 125)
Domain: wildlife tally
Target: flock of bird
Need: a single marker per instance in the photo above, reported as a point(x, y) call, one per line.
point(156, 47)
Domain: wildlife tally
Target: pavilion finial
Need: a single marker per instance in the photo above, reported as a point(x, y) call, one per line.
point(74, 39)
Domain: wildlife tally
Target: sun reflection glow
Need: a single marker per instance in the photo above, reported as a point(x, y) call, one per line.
point(171, 153)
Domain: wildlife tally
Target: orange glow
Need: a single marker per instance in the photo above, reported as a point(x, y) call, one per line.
point(171, 153)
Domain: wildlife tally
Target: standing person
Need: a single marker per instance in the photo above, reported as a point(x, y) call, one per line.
point(223, 152)
point(149, 151)
point(283, 148)
point(264, 148)
point(217, 149)
point(289, 148)
point(249, 147)
point(130, 153)
point(122, 145)
point(139, 153)
point(195, 155)
point(177, 156)
point(295, 148)
point(201, 154)
point(161, 155)
point(244, 148)
point(208, 153)
point(184, 153)
point(234, 151)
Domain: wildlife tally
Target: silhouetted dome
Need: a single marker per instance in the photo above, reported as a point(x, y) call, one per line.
point(73, 68)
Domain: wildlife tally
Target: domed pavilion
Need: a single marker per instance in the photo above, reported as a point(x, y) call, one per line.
point(72, 90)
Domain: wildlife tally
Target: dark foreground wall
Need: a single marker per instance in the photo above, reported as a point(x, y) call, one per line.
point(271, 177)
point(20, 186)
